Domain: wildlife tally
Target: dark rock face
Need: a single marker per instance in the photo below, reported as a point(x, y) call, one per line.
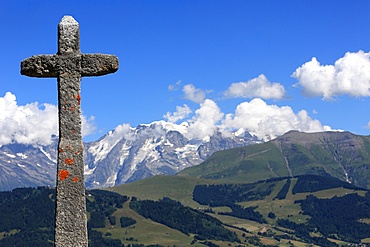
point(217, 142)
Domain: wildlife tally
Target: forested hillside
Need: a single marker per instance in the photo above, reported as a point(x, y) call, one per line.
point(185, 219)
point(27, 216)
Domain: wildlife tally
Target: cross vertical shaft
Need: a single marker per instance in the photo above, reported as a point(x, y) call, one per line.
point(68, 66)
point(70, 194)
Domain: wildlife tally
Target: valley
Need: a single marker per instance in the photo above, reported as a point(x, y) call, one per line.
point(274, 212)
point(266, 232)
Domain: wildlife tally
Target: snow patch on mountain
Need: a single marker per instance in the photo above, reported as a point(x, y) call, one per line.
point(10, 155)
point(47, 155)
point(22, 156)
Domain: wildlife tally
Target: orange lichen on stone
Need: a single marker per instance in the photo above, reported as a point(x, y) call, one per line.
point(69, 161)
point(76, 152)
point(73, 108)
point(61, 151)
point(63, 174)
point(75, 179)
point(78, 98)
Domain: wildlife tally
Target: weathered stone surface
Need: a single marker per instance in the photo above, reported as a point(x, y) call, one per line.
point(68, 66)
point(68, 36)
point(98, 64)
point(40, 66)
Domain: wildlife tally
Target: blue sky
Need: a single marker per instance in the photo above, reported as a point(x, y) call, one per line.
point(265, 66)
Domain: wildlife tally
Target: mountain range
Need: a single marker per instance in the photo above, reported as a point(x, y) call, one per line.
point(123, 155)
point(127, 154)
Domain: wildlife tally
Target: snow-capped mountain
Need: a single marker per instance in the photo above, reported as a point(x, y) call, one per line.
point(27, 165)
point(123, 155)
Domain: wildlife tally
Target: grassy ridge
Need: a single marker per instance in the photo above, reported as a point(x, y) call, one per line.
point(179, 188)
point(244, 164)
point(338, 154)
point(145, 231)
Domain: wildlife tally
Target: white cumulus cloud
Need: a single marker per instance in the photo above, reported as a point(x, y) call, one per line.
point(32, 123)
point(180, 113)
point(194, 94)
point(28, 124)
point(259, 87)
point(122, 130)
point(269, 121)
point(174, 86)
point(349, 75)
point(205, 121)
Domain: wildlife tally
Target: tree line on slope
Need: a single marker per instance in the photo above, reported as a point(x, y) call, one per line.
point(223, 194)
point(215, 195)
point(338, 217)
point(185, 219)
point(27, 216)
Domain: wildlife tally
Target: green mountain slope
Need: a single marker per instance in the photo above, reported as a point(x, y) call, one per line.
point(274, 212)
point(338, 154)
point(154, 188)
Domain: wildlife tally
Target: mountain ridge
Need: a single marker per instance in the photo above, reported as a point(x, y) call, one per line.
point(338, 154)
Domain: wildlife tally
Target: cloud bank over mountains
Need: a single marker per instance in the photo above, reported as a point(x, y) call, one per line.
point(28, 124)
point(265, 120)
point(35, 123)
point(256, 116)
point(32, 123)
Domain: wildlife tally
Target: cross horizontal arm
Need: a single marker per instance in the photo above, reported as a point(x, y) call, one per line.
point(40, 66)
point(98, 64)
point(87, 65)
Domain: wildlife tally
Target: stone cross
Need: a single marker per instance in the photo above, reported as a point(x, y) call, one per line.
point(68, 66)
